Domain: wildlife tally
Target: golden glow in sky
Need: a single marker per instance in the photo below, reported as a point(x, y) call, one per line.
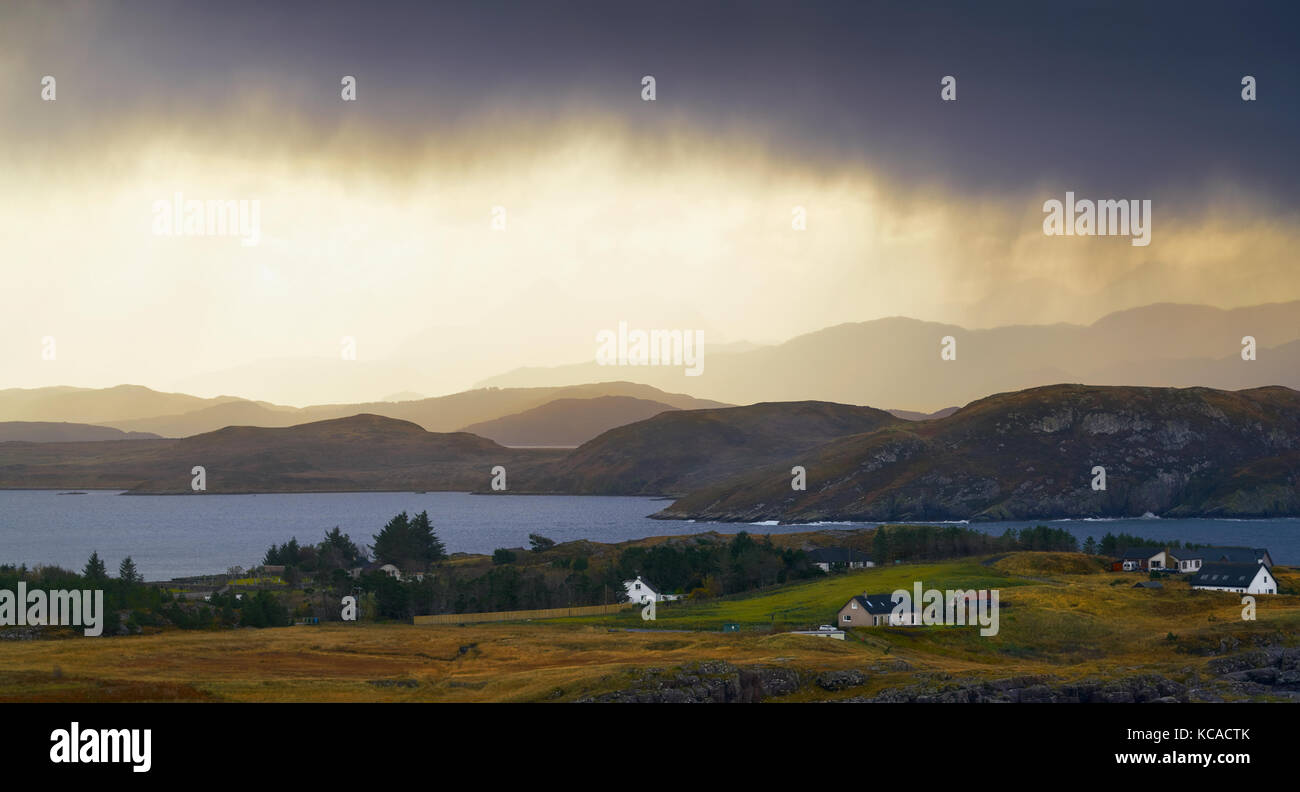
point(391, 242)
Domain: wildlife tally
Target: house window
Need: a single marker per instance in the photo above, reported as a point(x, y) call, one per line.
point(847, 617)
point(854, 605)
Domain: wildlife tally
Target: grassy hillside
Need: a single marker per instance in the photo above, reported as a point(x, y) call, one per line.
point(807, 605)
point(1058, 611)
point(1057, 625)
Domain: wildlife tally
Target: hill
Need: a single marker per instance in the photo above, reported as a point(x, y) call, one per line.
point(63, 432)
point(362, 452)
point(1192, 452)
point(678, 451)
point(567, 422)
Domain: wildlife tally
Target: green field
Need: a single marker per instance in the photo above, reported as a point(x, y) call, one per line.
point(807, 605)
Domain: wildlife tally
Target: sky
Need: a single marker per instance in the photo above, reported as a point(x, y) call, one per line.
point(376, 233)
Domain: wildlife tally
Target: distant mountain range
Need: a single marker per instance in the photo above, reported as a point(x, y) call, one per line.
point(132, 408)
point(1025, 452)
point(886, 361)
point(121, 404)
point(1031, 454)
point(897, 360)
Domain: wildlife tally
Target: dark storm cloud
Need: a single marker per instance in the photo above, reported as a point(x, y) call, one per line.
point(1107, 99)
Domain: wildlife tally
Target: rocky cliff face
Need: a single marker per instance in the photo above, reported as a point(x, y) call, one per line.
point(1034, 454)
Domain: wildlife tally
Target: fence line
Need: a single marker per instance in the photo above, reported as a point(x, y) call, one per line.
point(520, 615)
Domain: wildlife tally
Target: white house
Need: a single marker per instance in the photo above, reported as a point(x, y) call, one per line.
point(642, 590)
point(1163, 560)
point(1239, 578)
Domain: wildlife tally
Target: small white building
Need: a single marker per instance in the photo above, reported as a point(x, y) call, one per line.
point(1238, 578)
point(641, 591)
point(1163, 561)
point(374, 566)
point(824, 631)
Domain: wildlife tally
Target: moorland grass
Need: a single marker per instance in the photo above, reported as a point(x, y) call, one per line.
point(1067, 626)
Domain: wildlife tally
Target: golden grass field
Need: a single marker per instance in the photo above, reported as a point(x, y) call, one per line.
point(1061, 615)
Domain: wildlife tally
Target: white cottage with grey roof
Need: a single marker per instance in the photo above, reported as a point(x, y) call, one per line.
point(1238, 578)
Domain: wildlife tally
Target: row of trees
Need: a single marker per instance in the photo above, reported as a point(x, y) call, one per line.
point(1114, 544)
point(407, 542)
point(928, 542)
point(336, 551)
point(714, 568)
point(918, 542)
point(499, 588)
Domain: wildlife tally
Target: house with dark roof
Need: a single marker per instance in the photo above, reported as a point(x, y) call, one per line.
point(1239, 578)
point(873, 610)
point(1192, 560)
point(827, 557)
point(1133, 559)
